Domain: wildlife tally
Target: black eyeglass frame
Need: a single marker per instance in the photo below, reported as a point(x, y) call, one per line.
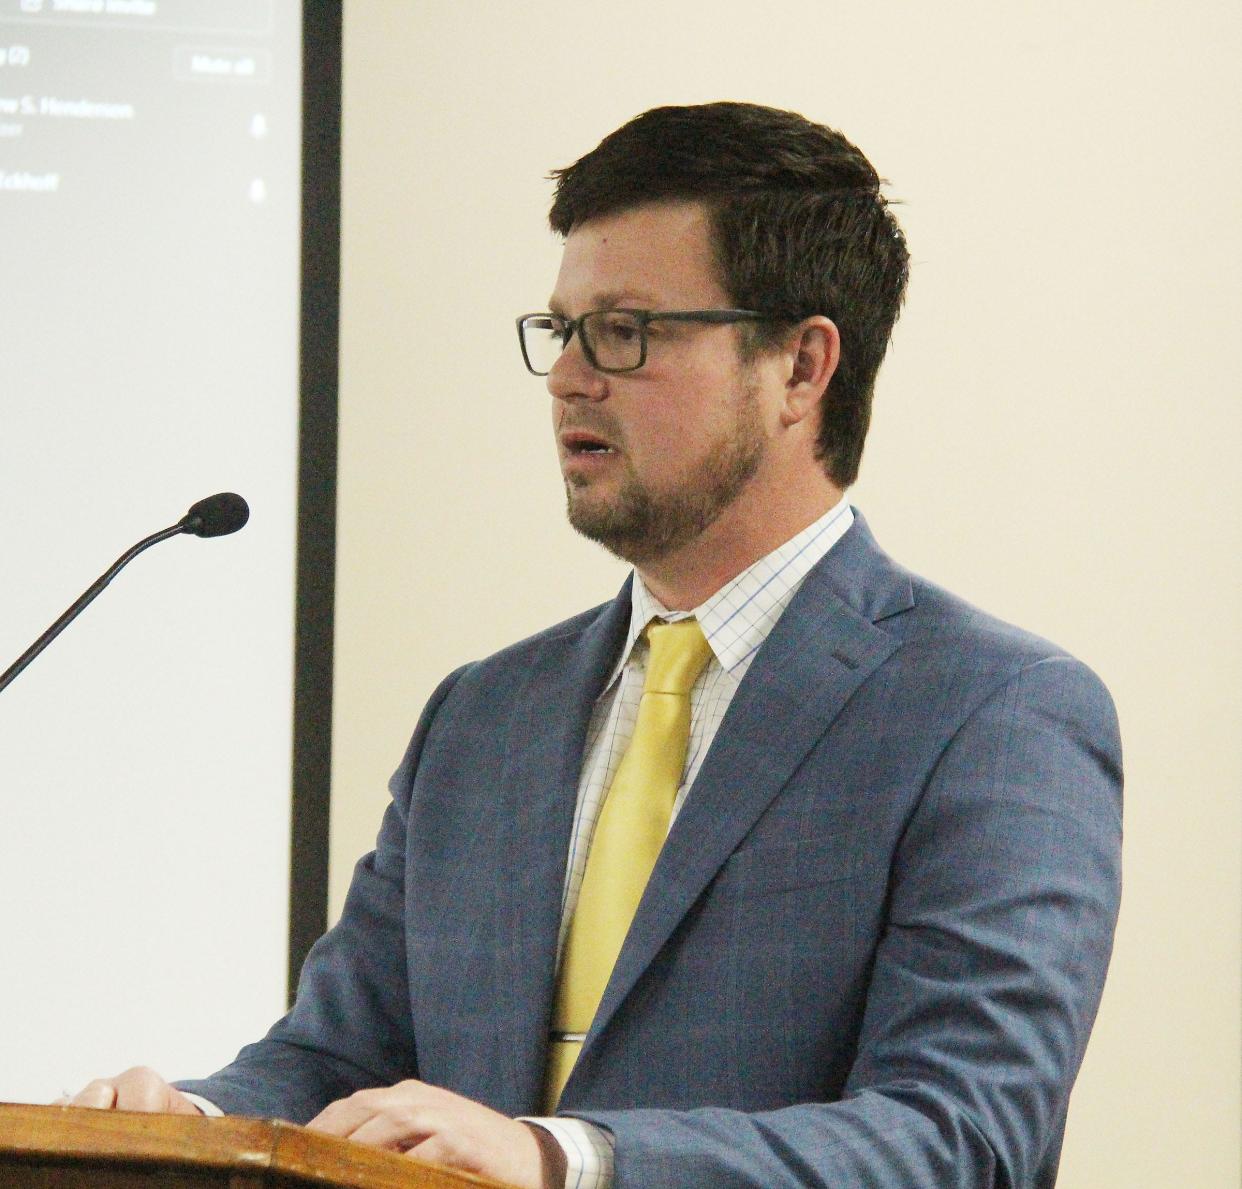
point(643, 318)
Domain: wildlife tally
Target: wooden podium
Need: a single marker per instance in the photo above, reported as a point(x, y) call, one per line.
point(42, 1147)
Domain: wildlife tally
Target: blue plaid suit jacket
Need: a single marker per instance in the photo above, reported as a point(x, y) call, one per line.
point(870, 953)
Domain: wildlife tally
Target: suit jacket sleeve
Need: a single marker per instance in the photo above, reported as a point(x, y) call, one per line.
point(1003, 898)
point(350, 1027)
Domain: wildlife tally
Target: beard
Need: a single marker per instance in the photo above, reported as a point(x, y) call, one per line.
point(641, 526)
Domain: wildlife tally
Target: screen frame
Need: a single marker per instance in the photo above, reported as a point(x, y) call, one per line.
point(318, 367)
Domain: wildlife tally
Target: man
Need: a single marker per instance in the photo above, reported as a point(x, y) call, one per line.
point(868, 943)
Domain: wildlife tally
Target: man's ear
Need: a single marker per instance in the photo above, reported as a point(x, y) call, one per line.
point(814, 351)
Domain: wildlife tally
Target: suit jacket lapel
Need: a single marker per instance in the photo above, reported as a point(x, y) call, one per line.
point(824, 646)
point(545, 746)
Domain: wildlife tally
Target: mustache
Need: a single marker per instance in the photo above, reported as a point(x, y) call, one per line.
point(595, 422)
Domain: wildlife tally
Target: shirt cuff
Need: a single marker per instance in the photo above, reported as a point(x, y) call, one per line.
point(208, 1108)
point(588, 1151)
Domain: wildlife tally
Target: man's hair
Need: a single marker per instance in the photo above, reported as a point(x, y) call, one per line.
point(799, 227)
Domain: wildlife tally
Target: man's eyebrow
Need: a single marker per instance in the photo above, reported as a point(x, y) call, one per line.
point(612, 300)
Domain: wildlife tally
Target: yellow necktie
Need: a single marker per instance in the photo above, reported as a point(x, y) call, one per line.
point(631, 829)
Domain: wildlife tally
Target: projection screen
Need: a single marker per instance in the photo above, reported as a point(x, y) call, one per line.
point(150, 195)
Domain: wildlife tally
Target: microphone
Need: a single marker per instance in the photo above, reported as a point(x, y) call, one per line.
point(216, 516)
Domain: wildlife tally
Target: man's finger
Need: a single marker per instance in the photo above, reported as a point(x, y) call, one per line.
point(137, 1089)
point(99, 1094)
point(142, 1089)
point(397, 1129)
point(343, 1117)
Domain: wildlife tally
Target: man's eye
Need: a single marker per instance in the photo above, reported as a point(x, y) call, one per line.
point(619, 329)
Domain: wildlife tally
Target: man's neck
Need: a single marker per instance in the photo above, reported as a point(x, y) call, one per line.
point(690, 576)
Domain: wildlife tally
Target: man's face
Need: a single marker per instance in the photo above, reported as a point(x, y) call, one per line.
point(683, 436)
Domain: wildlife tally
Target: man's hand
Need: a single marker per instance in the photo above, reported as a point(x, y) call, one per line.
point(444, 1128)
point(137, 1089)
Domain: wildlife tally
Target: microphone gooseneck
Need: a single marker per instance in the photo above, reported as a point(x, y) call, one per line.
point(216, 516)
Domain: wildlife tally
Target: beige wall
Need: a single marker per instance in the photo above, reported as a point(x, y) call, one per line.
point(1056, 434)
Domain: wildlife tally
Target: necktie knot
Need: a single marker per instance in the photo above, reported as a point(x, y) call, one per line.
point(679, 652)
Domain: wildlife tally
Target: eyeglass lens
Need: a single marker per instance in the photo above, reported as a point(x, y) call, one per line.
point(613, 338)
point(543, 340)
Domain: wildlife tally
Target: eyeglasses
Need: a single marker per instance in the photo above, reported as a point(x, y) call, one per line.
point(612, 340)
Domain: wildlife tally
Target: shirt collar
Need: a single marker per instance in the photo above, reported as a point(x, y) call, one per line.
point(738, 618)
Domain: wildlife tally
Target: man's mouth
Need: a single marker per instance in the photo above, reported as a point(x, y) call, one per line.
point(577, 444)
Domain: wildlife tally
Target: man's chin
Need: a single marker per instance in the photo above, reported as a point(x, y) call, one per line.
point(634, 528)
point(621, 531)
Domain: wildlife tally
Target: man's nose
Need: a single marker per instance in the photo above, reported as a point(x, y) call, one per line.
point(573, 378)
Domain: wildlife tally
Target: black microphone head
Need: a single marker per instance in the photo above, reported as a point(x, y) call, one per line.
point(216, 516)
